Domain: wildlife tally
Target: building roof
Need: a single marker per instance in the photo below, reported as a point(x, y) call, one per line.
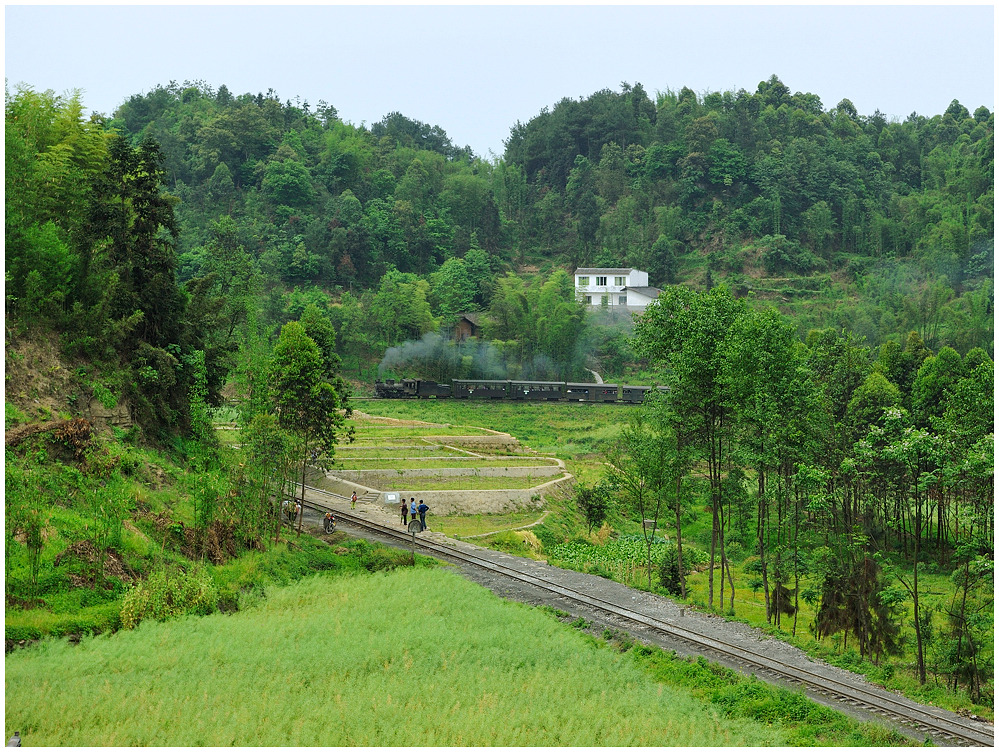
point(472, 318)
point(650, 292)
point(604, 271)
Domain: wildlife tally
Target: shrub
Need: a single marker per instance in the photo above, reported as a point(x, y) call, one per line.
point(100, 619)
point(669, 571)
point(168, 594)
point(19, 632)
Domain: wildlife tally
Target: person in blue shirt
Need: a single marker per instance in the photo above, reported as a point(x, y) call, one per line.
point(412, 508)
point(422, 509)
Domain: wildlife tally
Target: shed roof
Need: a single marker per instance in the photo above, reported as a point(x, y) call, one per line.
point(651, 292)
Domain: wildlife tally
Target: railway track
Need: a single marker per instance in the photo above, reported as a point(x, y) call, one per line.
point(945, 728)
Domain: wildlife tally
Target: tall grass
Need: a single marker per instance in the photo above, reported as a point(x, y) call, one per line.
point(414, 658)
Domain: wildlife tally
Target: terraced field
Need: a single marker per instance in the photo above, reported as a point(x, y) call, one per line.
point(455, 469)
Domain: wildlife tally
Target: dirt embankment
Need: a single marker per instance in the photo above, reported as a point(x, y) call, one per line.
point(46, 388)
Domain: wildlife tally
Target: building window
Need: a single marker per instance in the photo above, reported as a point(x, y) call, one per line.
point(622, 300)
point(589, 300)
point(584, 281)
point(619, 281)
point(601, 281)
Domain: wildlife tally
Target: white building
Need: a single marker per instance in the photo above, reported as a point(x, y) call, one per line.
point(616, 288)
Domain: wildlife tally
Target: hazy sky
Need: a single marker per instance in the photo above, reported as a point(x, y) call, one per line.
point(476, 70)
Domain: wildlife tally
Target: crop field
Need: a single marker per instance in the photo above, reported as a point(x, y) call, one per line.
point(462, 483)
point(566, 430)
point(369, 451)
point(436, 463)
point(358, 661)
point(380, 432)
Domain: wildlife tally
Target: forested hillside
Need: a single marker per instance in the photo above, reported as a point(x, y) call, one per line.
point(841, 219)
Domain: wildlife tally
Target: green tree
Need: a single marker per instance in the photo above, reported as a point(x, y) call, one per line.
point(775, 405)
point(220, 302)
point(593, 502)
point(683, 334)
point(452, 290)
point(287, 182)
point(934, 381)
point(307, 405)
point(646, 464)
point(400, 308)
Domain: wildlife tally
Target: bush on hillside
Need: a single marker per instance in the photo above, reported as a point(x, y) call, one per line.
point(168, 594)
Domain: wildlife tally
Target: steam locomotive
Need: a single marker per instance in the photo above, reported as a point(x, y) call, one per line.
point(510, 389)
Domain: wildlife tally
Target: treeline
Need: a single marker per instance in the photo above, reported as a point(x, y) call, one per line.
point(861, 469)
point(888, 223)
point(880, 227)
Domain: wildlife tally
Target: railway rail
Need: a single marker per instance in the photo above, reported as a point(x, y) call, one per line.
point(937, 724)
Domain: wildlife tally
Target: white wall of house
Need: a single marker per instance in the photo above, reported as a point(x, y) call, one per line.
point(594, 285)
point(637, 299)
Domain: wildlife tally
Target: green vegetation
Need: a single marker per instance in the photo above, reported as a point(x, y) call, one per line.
point(808, 724)
point(384, 433)
point(619, 550)
point(203, 256)
point(358, 451)
point(467, 525)
point(560, 430)
point(109, 556)
point(462, 483)
point(342, 660)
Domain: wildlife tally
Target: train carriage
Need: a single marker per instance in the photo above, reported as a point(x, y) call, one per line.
point(578, 392)
point(513, 390)
point(537, 390)
point(477, 389)
point(637, 394)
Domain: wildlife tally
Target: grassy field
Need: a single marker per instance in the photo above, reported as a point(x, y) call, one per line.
point(381, 432)
point(412, 658)
point(458, 526)
point(563, 430)
point(368, 450)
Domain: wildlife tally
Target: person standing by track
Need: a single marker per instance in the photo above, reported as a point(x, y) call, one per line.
point(412, 507)
point(422, 509)
point(404, 509)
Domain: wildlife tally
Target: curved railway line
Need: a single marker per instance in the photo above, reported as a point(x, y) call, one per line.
point(945, 728)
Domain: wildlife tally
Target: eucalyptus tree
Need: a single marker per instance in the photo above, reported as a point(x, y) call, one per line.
point(774, 402)
point(683, 335)
point(909, 457)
